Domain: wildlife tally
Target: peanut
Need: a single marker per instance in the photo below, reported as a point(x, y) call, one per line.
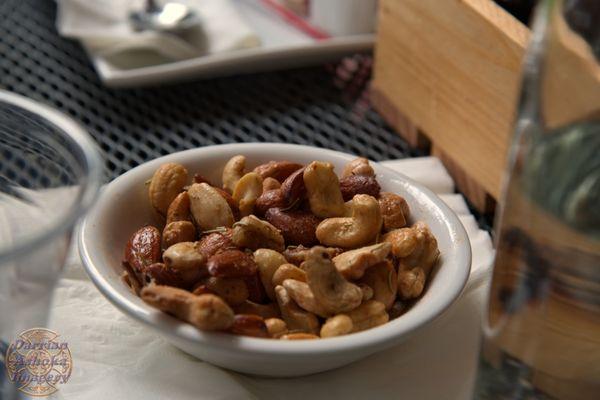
point(249, 325)
point(276, 327)
point(338, 325)
point(209, 209)
point(268, 261)
point(178, 231)
point(233, 172)
point(247, 189)
point(298, 336)
point(287, 271)
point(167, 182)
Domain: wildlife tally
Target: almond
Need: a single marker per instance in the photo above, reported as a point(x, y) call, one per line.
point(279, 170)
point(160, 274)
point(270, 310)
point(249, 325)
point(231, 264)
point(256, 290)
point(297, 227)
point(293, 188)
point(215, 242)
point(359, 184)
point(179, 209)
point(143, 248)
point(233, 290)
point(269, 199)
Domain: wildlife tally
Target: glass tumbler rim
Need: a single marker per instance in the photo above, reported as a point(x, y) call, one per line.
point(90, 184)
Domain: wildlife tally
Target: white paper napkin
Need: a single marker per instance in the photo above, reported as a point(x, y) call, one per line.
point(115, 357)
point(103, 28)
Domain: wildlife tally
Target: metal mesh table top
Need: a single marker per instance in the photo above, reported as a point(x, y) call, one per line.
point(325, 106)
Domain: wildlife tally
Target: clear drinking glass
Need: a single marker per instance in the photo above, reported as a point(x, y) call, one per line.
point(50, 173)
point(542, 325)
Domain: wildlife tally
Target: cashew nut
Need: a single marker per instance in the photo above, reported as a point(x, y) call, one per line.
point(352, 264)
point(332, 292)
point(287, 271)
point(355, 231)
point(255, 233)
point(206, 312)
point(367, 291)
point(185, 258)
point(246, 191)
point(233, 172)
point(276, 327)
point(425, 253)
point(411, 283)
point(382, 278)
point(295, 317)
point(338, 325)
point(268, 261)
point(209, 209)
point(178, 231)
point(358, 166)
point(302, 295)
point(297, 254)
point(368, 315)
point(233, 290)
point(167, 182)
point(403, 241)
point(323, 189)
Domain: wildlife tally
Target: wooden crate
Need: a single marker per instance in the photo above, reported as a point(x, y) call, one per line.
point(447, 75)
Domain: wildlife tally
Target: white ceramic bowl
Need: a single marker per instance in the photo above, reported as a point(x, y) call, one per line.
point(124, 207)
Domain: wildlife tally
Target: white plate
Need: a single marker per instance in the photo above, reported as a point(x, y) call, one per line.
point(124, 207)
point(283, 46)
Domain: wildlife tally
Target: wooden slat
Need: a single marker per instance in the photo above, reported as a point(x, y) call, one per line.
point(453, 67)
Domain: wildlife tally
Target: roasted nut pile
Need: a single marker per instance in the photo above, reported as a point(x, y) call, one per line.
point(285, 251)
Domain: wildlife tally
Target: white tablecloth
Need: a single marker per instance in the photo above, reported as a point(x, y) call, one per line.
point(117, 358)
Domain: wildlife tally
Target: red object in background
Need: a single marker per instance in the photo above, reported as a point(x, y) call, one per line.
point(296, 20)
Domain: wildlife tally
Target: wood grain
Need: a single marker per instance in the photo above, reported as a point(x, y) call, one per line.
point(453, 67)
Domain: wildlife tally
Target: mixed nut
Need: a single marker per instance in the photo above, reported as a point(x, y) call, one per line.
point(285, 251)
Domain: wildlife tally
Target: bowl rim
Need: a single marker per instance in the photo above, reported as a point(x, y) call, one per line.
point(180, 330)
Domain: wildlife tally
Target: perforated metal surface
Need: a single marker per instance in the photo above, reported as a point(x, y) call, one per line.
point(324, 106)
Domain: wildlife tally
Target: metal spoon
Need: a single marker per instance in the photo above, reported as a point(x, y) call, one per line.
point(170, 17)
